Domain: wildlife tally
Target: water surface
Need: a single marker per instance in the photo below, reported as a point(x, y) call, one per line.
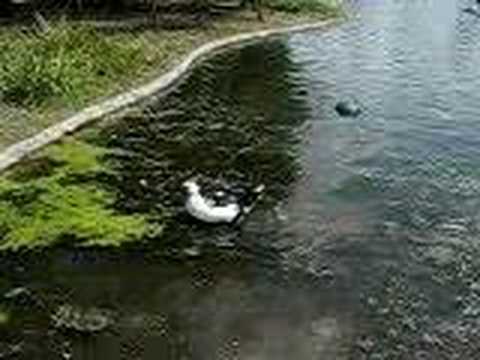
point(365, 245)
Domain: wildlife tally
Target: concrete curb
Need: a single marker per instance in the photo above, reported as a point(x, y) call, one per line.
point(14, 153)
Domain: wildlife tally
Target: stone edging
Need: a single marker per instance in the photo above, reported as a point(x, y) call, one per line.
point(14, 153)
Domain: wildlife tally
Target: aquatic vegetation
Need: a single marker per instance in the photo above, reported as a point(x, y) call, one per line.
point(41, 210)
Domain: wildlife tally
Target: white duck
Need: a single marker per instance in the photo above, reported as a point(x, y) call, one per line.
point(207, 210)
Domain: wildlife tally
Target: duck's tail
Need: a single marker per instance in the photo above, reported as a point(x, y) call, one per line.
point(255, 196)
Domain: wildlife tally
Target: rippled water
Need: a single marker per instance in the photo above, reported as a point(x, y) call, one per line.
point(365, 246)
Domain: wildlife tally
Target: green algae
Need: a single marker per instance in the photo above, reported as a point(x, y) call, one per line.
point(78, 157)
point(42, 209)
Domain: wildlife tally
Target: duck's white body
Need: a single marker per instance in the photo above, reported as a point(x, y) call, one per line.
point(205, 210)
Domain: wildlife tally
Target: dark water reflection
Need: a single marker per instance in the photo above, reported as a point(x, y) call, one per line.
point(365, 245)
point(233, 118)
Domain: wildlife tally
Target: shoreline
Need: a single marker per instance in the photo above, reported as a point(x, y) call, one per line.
point(18, 151)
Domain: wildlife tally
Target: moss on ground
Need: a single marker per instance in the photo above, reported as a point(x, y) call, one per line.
point(56, 196)
point(41, 209)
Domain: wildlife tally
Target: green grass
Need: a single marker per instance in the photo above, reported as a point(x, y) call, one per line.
point(42, 207)
point(73, 63)
point(44, 78)
point(66, 64)
point(326, 7)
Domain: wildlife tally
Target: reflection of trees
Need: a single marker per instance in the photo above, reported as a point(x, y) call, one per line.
point(239, 118)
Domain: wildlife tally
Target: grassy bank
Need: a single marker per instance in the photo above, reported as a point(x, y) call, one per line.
point(46, 77)
point(63, 193)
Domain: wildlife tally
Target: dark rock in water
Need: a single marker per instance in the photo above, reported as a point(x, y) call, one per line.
point(74, 318)
point(348, 108)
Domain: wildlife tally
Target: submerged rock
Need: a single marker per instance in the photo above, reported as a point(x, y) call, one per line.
point(82, 320)
point(348, 108)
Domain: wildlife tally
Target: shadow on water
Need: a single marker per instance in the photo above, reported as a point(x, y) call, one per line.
point(239, 116)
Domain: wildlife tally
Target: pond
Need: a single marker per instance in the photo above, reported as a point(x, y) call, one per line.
point(365, 245)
